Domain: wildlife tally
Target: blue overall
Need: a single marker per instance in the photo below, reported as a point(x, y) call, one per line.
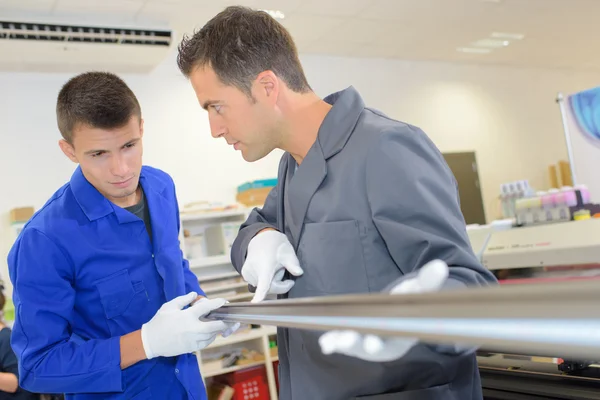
point(85, 272)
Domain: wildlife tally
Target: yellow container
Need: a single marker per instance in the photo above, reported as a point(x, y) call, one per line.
point(581, 215)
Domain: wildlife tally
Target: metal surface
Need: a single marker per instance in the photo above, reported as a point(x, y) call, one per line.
point(556, 320)
point(558, 244)
point(563, 112)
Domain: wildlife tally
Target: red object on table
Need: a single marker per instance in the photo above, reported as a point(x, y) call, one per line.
point(249, 384)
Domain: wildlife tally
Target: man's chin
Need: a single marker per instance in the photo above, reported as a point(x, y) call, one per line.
point(252, 157)
point(124, 192)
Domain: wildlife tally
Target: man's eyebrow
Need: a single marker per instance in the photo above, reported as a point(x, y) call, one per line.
point(132, 141)
point(94, 151)
point(209, 103)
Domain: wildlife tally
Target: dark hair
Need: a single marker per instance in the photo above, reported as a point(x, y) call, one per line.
point(238, 44)
point(97, 99)
point(2, 298)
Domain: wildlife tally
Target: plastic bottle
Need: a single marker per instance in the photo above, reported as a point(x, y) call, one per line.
point(522, 211)
point(544, 213)
point(535, 207)
point(560, 204)
point(569, 196)
point(513, 194)
point(527, 190)
point(547, 201)
point(519, 190)
point(505, 198)
point(550, 201)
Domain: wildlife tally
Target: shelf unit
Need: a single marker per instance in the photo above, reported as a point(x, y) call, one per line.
point(206, 240)
point(254, 339)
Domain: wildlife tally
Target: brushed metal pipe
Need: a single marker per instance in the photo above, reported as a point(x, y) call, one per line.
point(555, 320)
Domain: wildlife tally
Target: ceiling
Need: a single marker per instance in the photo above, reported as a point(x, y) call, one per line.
point(557, 33)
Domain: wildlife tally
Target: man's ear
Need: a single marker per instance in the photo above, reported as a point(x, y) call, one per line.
point(68, 149)
point(268, 85)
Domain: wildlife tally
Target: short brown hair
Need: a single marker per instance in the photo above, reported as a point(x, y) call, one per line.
point(238, 44)
point(97, 99)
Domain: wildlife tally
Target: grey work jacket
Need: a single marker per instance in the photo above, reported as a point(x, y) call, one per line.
point(371, 203)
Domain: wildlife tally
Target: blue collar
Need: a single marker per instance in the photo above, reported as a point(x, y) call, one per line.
point(93, 203)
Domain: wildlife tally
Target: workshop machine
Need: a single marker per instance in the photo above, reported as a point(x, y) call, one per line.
point(555, 252)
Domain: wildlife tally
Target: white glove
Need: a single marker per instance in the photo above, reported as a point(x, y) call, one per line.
point(431, 277)
point(232, 327)
point(269, 255)
point(174, 331)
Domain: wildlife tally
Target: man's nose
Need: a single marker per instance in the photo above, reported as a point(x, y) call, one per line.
point(217, 128)
point(118, 166)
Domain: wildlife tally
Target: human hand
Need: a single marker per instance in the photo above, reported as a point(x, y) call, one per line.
point(174, 331)
point(269, 255)
point(197, 299)
point(430, 278)
point(232, 327)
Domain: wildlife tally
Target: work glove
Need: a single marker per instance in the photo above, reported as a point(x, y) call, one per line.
point(269, 255)
point(174, 330)
point(232, 327)
point(430, 278)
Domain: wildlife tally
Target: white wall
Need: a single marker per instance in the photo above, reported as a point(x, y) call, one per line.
point(508, 116)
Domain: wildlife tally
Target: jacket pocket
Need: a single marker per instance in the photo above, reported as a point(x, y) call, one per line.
point(441, 392)
point(331, 254)
point(116, 293)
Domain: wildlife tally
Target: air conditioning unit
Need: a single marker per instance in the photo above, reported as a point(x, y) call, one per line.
point(40, 47)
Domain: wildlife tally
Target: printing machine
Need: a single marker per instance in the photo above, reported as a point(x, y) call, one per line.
point(530, 254)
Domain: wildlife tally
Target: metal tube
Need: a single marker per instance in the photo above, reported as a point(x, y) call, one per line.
point(556, 320)
point(563, 112)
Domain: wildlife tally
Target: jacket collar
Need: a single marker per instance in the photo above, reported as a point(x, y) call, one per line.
point(93, 203)
point(336, 129)
point(339, 123)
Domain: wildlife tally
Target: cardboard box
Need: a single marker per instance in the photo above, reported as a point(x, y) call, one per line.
point(253, 197)
point(21, 214)
point(218, 391)
point(258, 184)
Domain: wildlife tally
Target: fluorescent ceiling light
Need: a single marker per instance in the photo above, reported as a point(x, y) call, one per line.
point(275, 14)
point(473, 50)
point(507, 36)
point(491, 43)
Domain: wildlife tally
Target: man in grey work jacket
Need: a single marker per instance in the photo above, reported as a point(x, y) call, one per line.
point(362, 201)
